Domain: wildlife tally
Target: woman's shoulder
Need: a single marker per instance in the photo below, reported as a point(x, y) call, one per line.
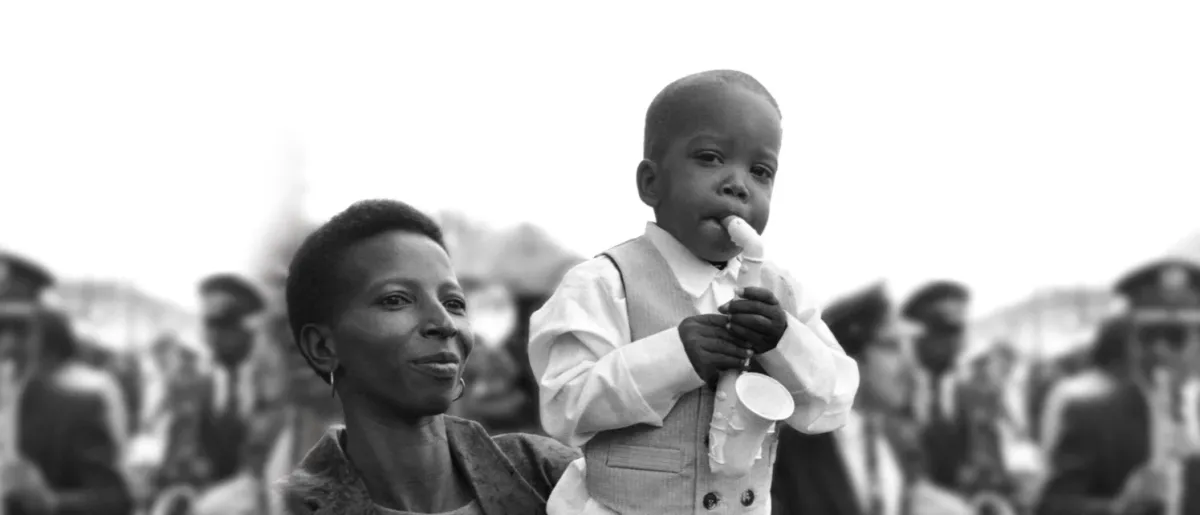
point(538, 458)
point(525, 444)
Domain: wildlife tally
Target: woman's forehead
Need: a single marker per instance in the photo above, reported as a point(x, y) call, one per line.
point(397, 254)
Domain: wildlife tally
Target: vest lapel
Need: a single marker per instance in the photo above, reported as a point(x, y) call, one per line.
point(639, 258)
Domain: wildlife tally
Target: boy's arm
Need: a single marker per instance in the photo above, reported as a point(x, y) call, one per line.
point(812, 365)
point(591, 377)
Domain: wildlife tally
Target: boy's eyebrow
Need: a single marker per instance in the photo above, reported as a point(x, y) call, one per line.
point(399, 281)
point(707, 135)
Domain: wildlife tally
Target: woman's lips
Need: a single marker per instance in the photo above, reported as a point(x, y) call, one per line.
point(438, 370)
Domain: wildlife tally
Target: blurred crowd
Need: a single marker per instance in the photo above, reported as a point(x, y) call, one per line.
point(173, 427)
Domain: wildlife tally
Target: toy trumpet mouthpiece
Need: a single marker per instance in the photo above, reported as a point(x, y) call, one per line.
point(744, 236)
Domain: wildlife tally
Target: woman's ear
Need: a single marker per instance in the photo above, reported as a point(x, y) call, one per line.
point(318, 348)
point(648, 183)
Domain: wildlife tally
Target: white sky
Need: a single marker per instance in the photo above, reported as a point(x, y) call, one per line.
point(1013, 144)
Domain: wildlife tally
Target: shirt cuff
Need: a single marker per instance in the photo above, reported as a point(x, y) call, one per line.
point(660, 369)
point(802, 362)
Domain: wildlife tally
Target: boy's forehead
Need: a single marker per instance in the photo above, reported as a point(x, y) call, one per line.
point(719, 111)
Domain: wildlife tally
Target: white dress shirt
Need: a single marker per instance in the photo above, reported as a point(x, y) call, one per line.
point(225, 398)
point(923, 396)
point(851, 441)
point(593, 378)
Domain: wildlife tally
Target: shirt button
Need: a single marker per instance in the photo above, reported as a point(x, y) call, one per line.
point(710, 500)
point(747, 497)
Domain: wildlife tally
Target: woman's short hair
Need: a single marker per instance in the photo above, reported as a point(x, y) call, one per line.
point(312, 279)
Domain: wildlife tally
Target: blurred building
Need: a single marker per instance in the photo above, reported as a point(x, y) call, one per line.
point(121, 316)
point(1048, 323)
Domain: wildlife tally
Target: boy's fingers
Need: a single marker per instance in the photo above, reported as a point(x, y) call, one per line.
point(754, 322)
point(726, 348)
point(713, 319)
point(738, 306)
point(759, 294)
point(747, 337)
point(723, 362)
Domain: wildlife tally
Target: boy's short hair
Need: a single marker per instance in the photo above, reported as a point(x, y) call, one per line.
point(312, 276)
point(664, 105)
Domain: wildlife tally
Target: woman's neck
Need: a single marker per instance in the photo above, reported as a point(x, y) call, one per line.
point(404, 463)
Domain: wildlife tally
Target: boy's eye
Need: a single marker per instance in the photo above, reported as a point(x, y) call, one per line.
point(393, 300)
point(763, 171)
point(709, 156)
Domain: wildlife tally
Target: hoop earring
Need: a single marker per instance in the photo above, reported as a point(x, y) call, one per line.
point(333, 383)
point(462, 391)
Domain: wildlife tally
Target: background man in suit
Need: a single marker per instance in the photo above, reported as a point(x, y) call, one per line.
point(940, 309)
point(58, 454)
point(1127, 447)
point(874, 464)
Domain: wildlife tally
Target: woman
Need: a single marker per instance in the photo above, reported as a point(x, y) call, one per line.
point(378, 313)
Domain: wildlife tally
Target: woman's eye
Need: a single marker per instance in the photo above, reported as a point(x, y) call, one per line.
point(456, 305)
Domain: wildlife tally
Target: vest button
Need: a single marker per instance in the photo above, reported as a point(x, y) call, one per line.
point(711, 500)
point(748, 497)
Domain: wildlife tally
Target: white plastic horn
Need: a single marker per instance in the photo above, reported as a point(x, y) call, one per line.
point(747, 405)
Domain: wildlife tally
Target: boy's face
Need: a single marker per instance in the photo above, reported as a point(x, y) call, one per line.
point(721, 159)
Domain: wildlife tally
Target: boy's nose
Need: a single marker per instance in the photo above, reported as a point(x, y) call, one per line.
point(734, 188)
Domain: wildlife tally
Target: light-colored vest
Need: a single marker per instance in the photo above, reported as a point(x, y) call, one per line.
point(647, 470)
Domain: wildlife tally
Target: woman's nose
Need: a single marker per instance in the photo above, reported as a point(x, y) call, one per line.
point(439, 324)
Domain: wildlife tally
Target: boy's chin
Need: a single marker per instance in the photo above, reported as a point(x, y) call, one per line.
point(717, 251)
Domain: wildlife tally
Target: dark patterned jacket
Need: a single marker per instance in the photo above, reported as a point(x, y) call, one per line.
point(510, 474)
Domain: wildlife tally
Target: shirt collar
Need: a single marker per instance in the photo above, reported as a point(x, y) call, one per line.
point(694, 274)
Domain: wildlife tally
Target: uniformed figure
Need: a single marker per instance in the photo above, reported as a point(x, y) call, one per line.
point(874, 465)
point(940, 310)
point(229, 302)
point(57, 448)
point(1127, 447)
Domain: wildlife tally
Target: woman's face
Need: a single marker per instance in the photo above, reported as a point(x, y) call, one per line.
point(401, 334)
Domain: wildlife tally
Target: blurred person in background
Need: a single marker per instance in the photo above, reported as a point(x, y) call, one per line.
point(377, 311)
point(494, 397)
point(309, 410)
point(1129, 446)
point(242, 389)
point(239, 410)
point(939, 309)
point(874, 465)
point(58, 451)
point(1106, 369)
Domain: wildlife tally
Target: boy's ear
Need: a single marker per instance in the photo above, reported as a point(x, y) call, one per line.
point(318, 348)
point(649, 183)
